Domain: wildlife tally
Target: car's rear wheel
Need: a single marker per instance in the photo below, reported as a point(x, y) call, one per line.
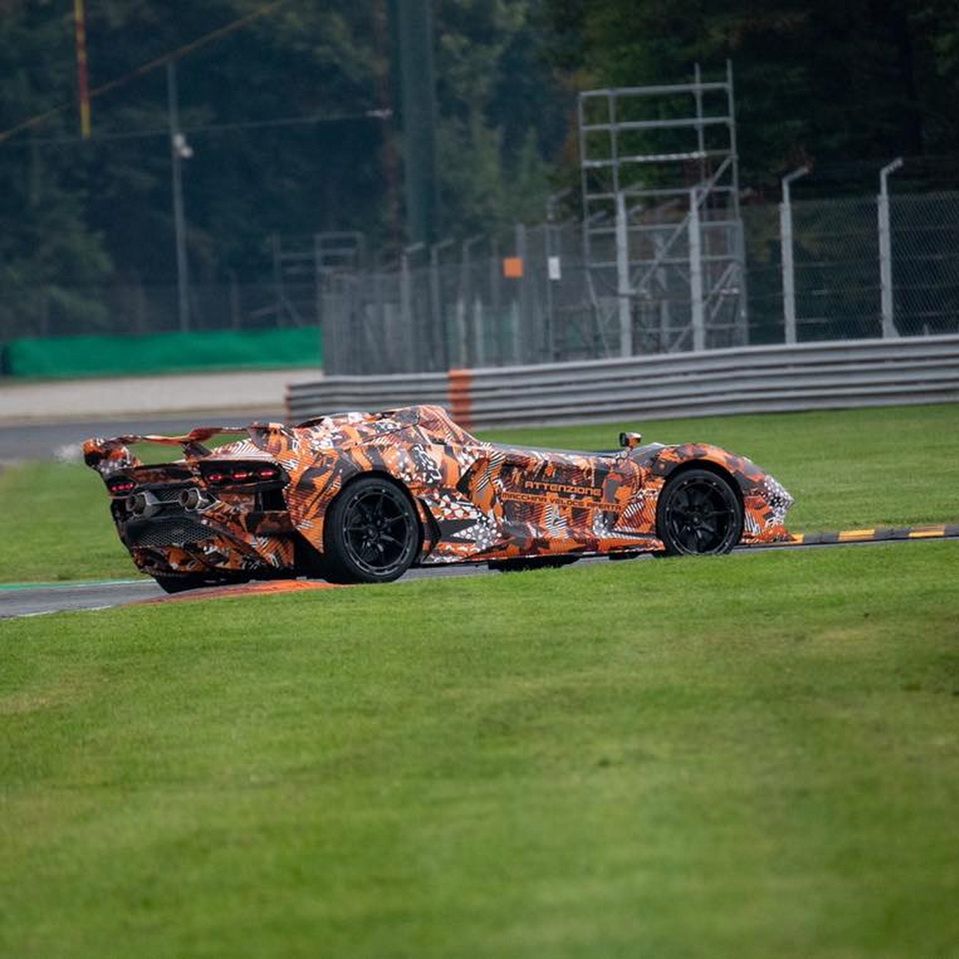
point(371, 533)
point(699, 513)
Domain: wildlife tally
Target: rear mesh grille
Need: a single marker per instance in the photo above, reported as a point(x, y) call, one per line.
point(168, 494)
point(168, 531)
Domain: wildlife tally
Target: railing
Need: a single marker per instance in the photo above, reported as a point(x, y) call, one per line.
point(759, 379)
point(814, 270)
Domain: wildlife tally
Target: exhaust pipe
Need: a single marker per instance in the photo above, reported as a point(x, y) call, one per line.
point(143, 504)
point(193, 499)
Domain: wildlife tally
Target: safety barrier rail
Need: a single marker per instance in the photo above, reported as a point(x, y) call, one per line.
point(756, 379)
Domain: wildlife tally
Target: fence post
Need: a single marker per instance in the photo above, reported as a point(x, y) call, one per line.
point(332, 361)
point(495, 300)
point(548, 251)
point(318, 278)
point(696, 272)
point(410, 338)
point(439, 337)
point(622, 278)
point(522, 319)
point(885, 251)
point(465, 307)
point(786, 244)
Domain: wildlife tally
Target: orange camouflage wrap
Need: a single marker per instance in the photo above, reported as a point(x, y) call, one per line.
point(476, 501)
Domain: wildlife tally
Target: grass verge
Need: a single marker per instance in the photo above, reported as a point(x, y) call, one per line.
point(847, 469)
point(752, 755)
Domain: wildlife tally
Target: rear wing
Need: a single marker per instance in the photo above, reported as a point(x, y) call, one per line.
point(107, 456)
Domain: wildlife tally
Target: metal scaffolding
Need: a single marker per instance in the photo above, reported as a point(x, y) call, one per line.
point(662, 232)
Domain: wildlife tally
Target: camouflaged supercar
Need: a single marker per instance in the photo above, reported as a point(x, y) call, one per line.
point(361, 497)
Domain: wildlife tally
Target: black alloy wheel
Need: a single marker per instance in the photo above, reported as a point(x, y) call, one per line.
point(372, 533)
point(699, 513)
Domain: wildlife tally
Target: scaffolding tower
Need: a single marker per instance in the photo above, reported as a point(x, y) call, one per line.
point(662, 231)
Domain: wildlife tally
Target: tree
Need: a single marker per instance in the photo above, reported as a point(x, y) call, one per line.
point(49, 260)
point(864, 79)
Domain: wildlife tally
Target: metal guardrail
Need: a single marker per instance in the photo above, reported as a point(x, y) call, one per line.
point(758, 379)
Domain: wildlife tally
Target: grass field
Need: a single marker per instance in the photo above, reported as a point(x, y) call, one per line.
point(749, 756)
point(746, 756)
point(846, 469)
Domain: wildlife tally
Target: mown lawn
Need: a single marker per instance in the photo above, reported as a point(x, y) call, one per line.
point(748, 756)
point(847, 469)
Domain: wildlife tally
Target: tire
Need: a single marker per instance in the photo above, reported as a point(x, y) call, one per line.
point(371, 534)
point(185, 581)
point(699, 513)
point(525, 564)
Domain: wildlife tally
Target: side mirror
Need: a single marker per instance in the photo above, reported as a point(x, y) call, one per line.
point(630, 440)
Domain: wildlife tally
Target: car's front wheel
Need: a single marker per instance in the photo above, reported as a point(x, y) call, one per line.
point(371, 533)
point(699, 513)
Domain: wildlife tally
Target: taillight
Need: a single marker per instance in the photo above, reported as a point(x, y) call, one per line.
point(120, 486)
point(241, 474)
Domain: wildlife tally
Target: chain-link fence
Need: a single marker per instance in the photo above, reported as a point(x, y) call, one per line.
point(837, 268)
point(129, 307)
point(538, 299)
point(925, 231)
point(480, 302)
point(534, 296)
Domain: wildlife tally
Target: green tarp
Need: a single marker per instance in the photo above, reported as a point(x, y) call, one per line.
point(73, 356)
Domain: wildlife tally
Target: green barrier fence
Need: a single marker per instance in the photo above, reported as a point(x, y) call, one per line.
point(73, 356)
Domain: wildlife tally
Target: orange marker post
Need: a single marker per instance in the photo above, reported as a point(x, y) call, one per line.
point(513, 267)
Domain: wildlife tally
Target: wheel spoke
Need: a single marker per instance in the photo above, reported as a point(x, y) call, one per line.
point(700, 514)
point(378, 530)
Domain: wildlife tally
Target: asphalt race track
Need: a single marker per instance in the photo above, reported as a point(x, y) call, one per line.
point(41, 599)
point(36, 600)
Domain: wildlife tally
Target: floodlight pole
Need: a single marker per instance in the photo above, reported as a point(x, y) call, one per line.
point(179, 224)
point(786, 242)
point(885, 251)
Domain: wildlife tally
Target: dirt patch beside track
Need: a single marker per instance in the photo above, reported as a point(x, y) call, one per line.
point(242, 589)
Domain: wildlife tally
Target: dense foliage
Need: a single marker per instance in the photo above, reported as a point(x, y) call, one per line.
point(76, 212)
point(833, 82)
point(815, 79)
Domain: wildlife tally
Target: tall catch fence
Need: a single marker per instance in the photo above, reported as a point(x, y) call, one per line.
point(660, 279)
point(131, 306)
point(535, 298)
